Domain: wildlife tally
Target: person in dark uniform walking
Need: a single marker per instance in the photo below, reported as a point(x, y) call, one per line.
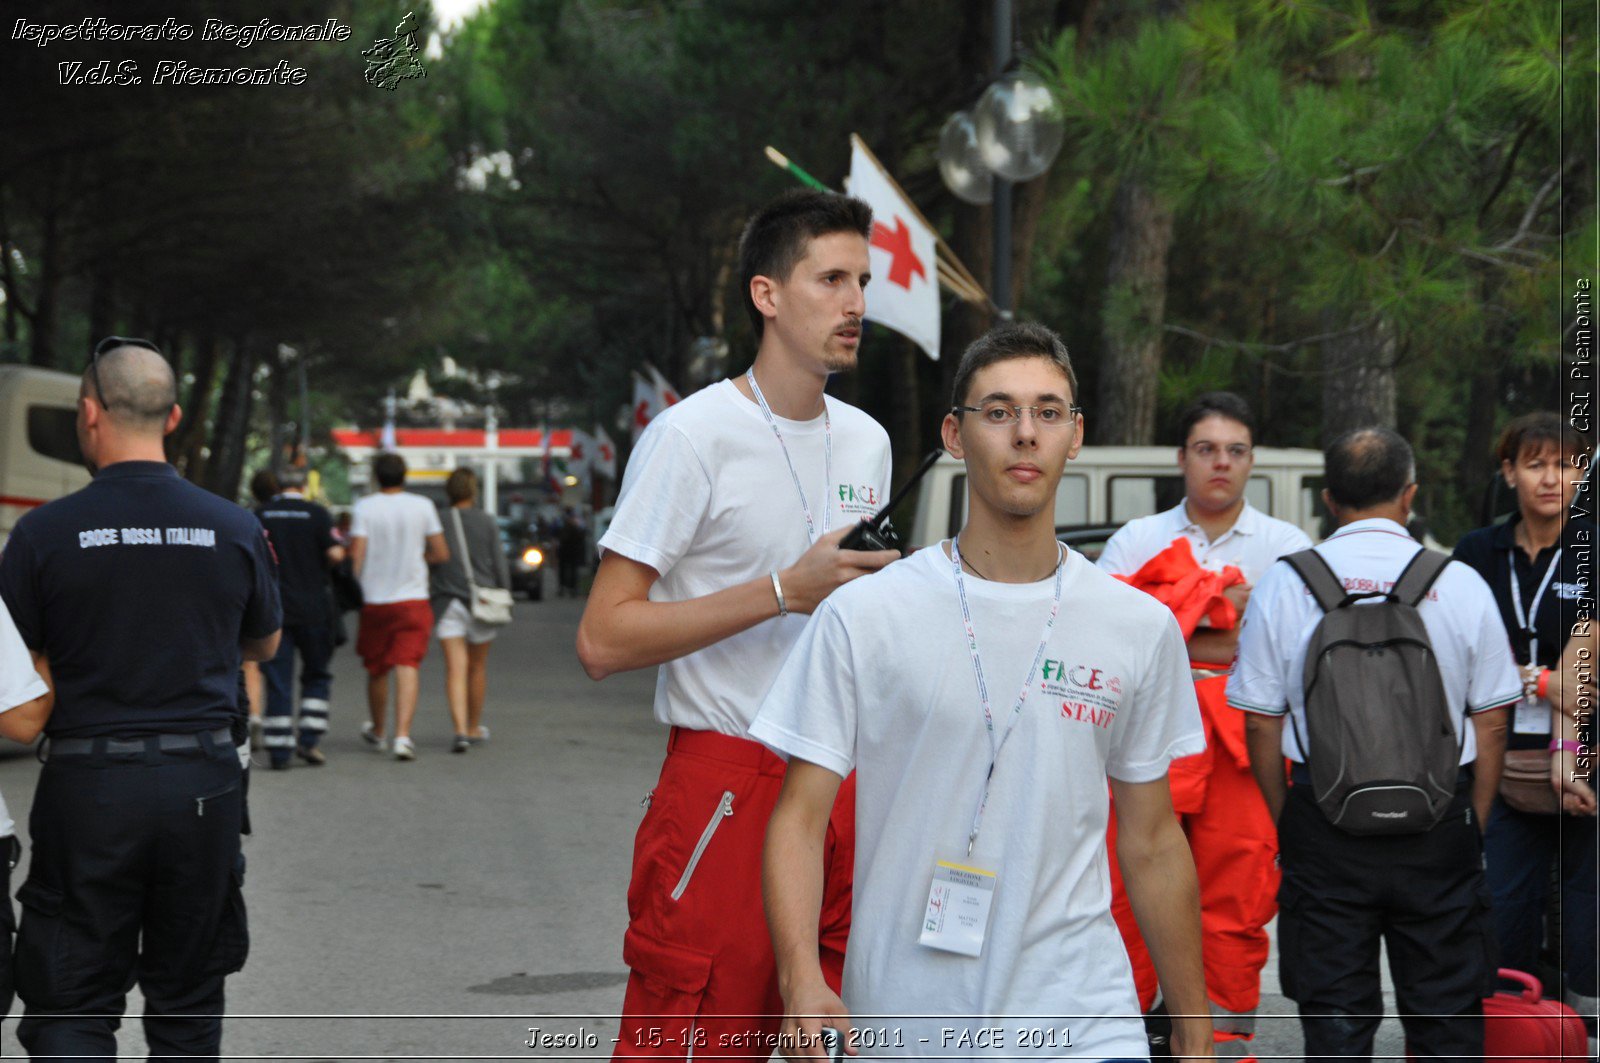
point(301, 533)
point(139, 595)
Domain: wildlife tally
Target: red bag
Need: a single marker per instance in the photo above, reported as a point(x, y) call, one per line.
point(1524, 1027)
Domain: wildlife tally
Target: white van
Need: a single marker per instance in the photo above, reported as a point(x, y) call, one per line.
point(39, 456)
point(1108, 486)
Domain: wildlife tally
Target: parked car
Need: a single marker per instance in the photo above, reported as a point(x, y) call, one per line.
point(524, 556)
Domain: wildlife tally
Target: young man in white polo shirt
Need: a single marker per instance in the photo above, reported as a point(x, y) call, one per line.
point(733, 506)
point(1423, 893)
point(985, 690)
point(1230, 834)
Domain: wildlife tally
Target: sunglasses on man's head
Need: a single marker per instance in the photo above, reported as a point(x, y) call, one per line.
point(111, 343)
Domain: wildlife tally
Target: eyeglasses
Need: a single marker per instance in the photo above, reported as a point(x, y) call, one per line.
point(111, 343)
point(1209, 451)
point(1005, 414)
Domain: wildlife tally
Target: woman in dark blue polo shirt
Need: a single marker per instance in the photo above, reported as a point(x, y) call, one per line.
point(1540, 566)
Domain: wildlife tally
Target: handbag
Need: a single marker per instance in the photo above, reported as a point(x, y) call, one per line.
point(1525, 782)
point(488, 605)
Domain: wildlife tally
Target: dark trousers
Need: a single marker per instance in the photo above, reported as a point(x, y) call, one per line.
point(8, 923)
point(1520, 847)
point(1422, 894)
point(136, 876)
point(314, 643)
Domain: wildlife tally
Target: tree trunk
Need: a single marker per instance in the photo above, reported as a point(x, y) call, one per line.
point(184, 445)
point(1476, 462)
point(905, 419)
point(43, 346)
point(1358, 389)
point(277, 410)
point(1027, 204)
point(101, 311)
point(1135, 306)
point(225, 467)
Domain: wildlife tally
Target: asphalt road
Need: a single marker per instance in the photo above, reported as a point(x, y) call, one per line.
point(441, 908)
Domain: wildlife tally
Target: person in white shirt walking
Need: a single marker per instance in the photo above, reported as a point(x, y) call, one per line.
point(25, 704)
point(1422, 893)
point(727, 531)
point(982, 888)
point(1235, 848)
point(394, 537)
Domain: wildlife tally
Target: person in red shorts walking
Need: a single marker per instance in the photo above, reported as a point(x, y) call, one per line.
point(728, 527)
point(394, 537)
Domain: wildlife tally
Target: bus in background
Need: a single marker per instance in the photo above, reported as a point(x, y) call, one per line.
point(39, 456)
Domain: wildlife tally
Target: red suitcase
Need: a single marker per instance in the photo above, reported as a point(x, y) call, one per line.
point(1525, 1028)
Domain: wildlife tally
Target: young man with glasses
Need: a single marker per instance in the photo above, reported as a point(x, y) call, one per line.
point(726, 533)
point(138, 596)
point(1222, 812)
point(983, 749)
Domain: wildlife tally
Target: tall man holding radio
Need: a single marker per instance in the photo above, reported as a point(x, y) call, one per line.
point(727, 531)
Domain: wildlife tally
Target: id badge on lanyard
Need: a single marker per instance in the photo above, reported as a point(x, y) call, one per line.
point(1532, 714)
point(961, 895)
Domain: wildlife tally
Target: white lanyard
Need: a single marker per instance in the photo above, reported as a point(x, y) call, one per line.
point(983, 687)
point(1525, 621)
point(827, 459)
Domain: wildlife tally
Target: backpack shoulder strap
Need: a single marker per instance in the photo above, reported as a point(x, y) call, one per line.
point(1314, 571)
point(1419, 576)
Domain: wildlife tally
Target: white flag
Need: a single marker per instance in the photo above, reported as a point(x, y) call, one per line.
point(904, 293)
point(668, 395)
point(605, 454)
point(580, 460)
point(645, 405)
point(650, 397)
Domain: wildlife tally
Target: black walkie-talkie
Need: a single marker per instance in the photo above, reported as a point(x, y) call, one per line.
point(878, 533)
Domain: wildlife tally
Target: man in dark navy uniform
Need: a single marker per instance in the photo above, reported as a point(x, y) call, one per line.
point(138, 596)
point(301, 533)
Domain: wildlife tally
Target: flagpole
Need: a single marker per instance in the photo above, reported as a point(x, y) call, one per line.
point(783, 162)
point(491, 471)
point(956, 263)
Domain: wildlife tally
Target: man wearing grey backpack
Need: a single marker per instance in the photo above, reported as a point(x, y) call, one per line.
point(1393, 671)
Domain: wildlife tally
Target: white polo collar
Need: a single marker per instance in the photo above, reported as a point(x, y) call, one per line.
point(1247, 523)
point(1372, 524)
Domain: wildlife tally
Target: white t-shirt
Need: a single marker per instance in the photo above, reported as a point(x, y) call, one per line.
point(882, 682)
point(19, 683)
point(707, 501)
point(1463, 622)
point(1253, 543)
point(396, 527)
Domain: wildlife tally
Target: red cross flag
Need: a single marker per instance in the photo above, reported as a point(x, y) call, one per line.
point(605, 454)
point(650, 397)
point(904, 293)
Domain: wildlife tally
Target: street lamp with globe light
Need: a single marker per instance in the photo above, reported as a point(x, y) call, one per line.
point(1012, 134)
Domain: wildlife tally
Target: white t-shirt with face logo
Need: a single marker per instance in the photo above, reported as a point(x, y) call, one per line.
point(708, 502)
point(882, 682)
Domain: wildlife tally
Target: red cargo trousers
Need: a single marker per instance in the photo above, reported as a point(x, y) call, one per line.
point(703, 977)
point(1235, 847)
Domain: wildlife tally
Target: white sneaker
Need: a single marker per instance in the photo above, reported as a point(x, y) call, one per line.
point(372, 738)
point(404, 749)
